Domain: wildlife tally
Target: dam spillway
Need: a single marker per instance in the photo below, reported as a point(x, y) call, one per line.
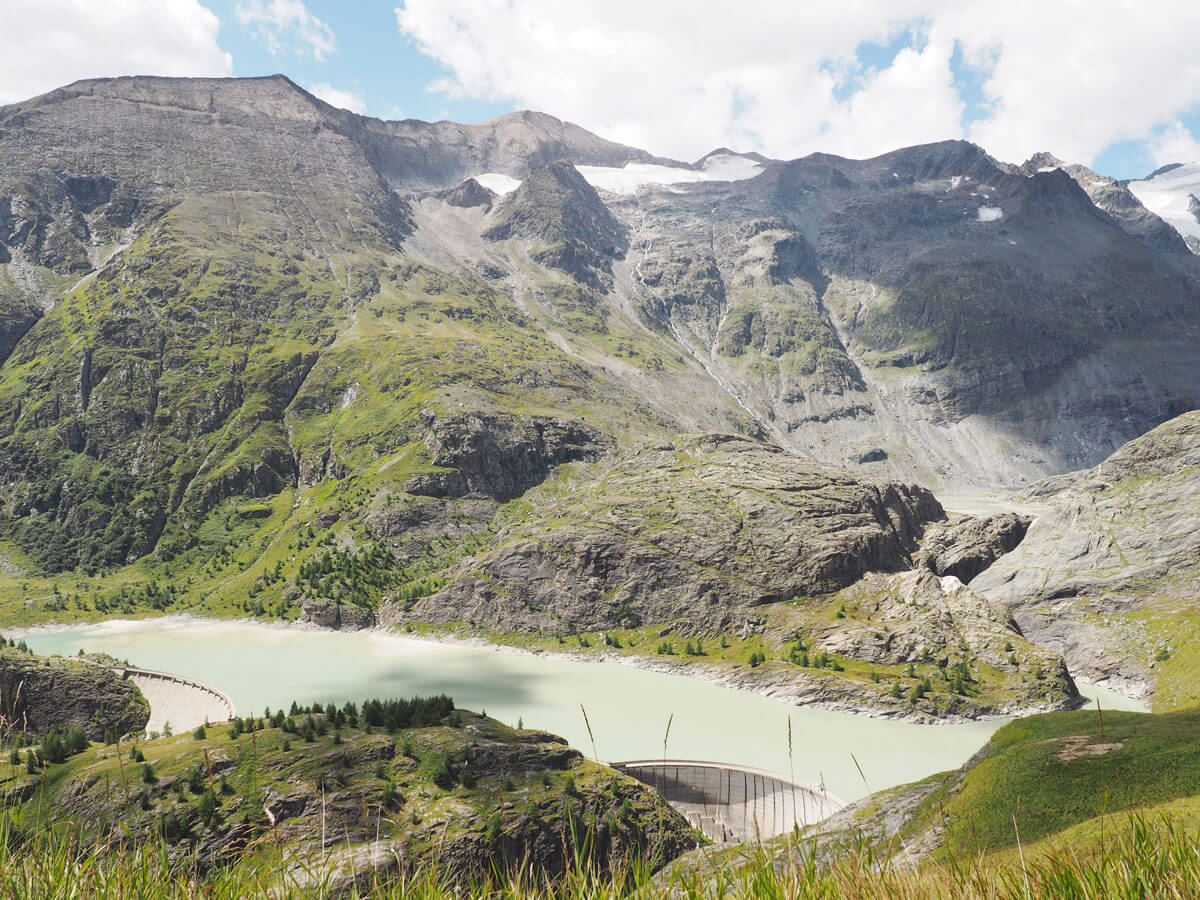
point(731, 803)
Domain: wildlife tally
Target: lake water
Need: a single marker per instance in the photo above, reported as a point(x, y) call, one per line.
point(260, 666)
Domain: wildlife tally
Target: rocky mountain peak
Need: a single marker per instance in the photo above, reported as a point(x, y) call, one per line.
point(1041, 161)
point(276, 96)
point(943, 159)
point(1115, 198)
point(568, 224)
point(468, 194)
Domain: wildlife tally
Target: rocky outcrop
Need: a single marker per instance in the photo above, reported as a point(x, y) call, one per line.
point(39, 693)
point(917, 616)
point(336, 616)
point(564, 220)
point(467, 195)
point(500, 456)
point(695, 531)
point(967, 546)
point(1103, 574)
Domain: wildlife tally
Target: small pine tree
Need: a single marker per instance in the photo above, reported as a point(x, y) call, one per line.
point(200, 733)
point(148, 775)
point(208, 808)
point(53, 747)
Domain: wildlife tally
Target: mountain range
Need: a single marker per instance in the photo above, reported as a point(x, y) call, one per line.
point(262, 355)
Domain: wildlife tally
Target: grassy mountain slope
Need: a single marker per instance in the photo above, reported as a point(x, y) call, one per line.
point(1093, 801)
point(348, 791)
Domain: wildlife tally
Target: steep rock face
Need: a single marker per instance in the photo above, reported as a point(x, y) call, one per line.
point(500, 457)
point(569, 225)
point(968, 546)
point(698, 531)
point(201, 360)
point(434, 155)
point(122, 149)
point(965, 319)
point(1109, 574)
point(1115, 198)
point(40, 693)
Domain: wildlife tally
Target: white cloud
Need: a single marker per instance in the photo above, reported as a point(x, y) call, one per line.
point(1072, 78)
point(45, 44)
point(1175, 145)
point(286, 25)
point(344, 99)
point(785, 79)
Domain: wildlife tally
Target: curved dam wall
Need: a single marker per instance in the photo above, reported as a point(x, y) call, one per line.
point(180, 701)
point(731, 803)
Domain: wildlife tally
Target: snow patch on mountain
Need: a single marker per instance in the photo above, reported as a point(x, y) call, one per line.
point(500, 184)
point(631, 176)
point(990, 213)
point(1168, 195)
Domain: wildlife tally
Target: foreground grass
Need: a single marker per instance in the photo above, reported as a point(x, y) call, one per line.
point(1052, 772)
point(1143, 857)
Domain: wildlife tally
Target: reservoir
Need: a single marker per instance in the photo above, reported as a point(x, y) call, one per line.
point(628, 708)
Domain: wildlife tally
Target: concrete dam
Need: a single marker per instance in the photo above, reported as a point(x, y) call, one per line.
point(730, 803)
point(180, 702)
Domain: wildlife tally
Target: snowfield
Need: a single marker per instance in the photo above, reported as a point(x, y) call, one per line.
point(628, 178)
point(1168, 196)
point(990, 213)
point(501, 184)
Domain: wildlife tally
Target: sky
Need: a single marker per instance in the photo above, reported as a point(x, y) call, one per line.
point(1113, 84)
